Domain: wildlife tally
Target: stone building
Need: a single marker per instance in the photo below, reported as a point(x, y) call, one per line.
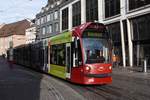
point(128, 22)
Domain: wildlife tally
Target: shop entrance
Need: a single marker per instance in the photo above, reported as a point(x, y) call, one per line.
point(141, 53)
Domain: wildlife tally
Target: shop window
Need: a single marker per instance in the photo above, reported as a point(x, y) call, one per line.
point(141, 26)
point(115, 34)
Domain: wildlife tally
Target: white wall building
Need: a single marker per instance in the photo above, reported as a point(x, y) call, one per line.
point(30, 34)
point(13, 35)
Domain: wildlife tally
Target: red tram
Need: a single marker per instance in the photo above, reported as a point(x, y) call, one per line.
point(83, 55)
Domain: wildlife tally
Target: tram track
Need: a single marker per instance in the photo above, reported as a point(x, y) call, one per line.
point(52, 90)
point(106, 92)
point(99, 93)
point(93, 92)
point(109, 93)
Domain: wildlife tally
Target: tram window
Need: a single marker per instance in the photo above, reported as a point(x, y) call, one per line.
point(53, 53)
point(61, 55)
point(78, 54)
point(58, 54)
point(72, 52)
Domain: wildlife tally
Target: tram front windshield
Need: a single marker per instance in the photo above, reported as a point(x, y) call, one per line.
point(96, 50)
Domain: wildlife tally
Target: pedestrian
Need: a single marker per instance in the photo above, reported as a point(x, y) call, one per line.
point(10, 60)
point(114, 60)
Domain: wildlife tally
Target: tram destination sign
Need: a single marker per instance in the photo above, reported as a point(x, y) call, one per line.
point(96, 26)
point(94, 35)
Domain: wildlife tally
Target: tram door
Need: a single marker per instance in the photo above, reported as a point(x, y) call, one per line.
point(68, 60)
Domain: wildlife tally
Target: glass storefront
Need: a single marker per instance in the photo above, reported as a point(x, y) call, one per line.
point(141, 40)
point(141, 53)
point(115, 33)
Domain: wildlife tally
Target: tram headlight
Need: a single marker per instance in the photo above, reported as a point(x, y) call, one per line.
point(87, 68)
point(110, 67)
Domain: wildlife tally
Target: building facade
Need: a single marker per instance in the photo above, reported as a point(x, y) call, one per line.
point(13, 35)
point(127, 22)
point(30, 34)
point(48, 23)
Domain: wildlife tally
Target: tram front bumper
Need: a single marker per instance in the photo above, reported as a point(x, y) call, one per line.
point(98, 79)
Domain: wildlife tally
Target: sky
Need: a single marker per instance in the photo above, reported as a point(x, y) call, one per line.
point(15, 10)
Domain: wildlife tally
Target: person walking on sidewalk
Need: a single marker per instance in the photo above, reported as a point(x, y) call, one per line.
point(115, 60)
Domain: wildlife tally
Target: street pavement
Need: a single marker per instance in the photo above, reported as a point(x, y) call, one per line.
point(20, 83)
point(127, 85)
point(132, 73)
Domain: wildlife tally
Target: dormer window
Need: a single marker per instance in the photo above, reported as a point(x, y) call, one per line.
point(52, 6)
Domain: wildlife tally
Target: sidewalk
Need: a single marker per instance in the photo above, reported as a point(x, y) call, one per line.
point(132, 74)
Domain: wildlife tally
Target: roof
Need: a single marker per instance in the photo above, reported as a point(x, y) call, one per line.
point(1, 25)
point(16, 28)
